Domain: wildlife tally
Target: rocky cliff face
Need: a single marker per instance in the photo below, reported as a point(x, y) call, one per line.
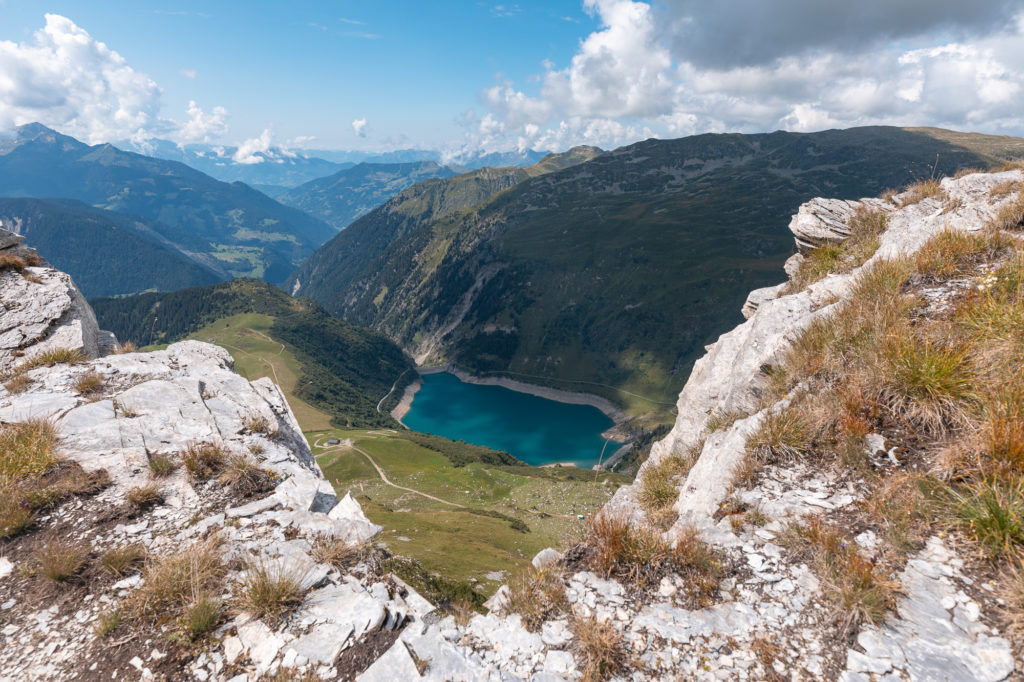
point(137, 410)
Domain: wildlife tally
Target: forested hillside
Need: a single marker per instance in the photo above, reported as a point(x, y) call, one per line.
point(108, 254)
point(346, 369)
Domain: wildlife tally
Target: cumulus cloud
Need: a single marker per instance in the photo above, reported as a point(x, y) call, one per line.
point(254, 150)
point(681, 67)
point(202, 127)
point(359, 127)
point(64, 78)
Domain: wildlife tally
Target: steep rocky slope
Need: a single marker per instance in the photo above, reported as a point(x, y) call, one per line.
point(820, 564)
point(119, 483)
point(340, 198)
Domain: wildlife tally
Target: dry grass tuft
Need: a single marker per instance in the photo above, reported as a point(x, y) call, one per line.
point(174, 583)
point(204, 460)
point(107, 622)
point(15, 516)
point(120, 560)
point(537, 596)
point(865, 226)
point(144, 496)
point(49, 358)
point(600, 649)
point(929, 381)
point(18, 384)
point(723, 419)
point(245, 478)
point(859, 589)
point(270, 589)
point(904, 506)
point(201, 618)
point(1005, 188)
point(783, 436)
point(327, 549)
point(919, 191)
point(991, 510)
point(10, 261)
point(124, 347)
point(953, 253)
point(642, 556)
point(26, 448)
point(257, 423)
point(1010, 216)
point(90, 383)
point(161, 466)
point(60, 560)
point(659, 483)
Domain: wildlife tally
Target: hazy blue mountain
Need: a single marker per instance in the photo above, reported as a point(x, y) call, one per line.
point(231, 228)
point(349, 194)
point(276, 166)
point(107, 254)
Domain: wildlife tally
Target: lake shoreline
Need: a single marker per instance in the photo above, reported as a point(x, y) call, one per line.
point(617, 416)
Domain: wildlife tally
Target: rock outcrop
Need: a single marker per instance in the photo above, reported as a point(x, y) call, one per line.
point(42, 312)
point(146, 406)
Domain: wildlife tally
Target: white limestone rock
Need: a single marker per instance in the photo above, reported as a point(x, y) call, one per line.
point(36, 316)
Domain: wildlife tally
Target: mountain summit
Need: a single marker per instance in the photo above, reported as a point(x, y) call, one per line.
point(230, 228)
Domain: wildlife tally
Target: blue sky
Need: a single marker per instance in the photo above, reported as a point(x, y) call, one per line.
point(464, 76)
point(311, 68)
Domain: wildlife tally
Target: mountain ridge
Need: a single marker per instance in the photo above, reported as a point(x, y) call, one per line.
point(230, 228)
point(617, 270)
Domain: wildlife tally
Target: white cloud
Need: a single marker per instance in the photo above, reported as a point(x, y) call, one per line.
point(359, 127)
point(254, 150)
point(190, 74)
point(202, 127)
point(64, 78)
point(641, 74)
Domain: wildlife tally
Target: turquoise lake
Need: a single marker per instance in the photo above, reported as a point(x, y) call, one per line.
point(536, 430)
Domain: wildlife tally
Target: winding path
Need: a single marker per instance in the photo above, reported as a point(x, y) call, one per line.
point(380, 472)
point(381, 401)
point(384, 477)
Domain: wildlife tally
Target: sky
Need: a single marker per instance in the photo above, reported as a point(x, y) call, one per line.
point(462, 76)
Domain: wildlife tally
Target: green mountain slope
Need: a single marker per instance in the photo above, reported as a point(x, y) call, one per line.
point(345, 370)
point(108, 254)
point(366, 244)
point(231, 228)
point(348, 194)
point(615, 272)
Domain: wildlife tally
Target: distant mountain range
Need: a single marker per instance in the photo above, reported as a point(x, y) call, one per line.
point(107, 253)
point(279, 167)
point(613, 271)
point(348, 194)
point(231, 229)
